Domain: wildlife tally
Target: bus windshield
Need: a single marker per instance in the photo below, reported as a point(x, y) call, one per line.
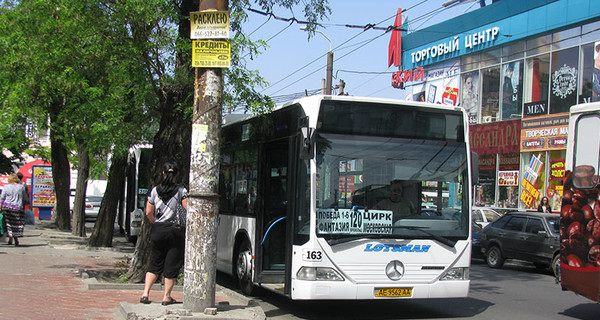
point(372, 186)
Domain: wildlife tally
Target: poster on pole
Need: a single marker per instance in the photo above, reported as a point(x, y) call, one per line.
point(42, 187)
point(209, 25)
point(211, 54)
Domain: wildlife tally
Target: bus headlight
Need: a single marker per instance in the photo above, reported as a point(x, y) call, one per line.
point(456, 274)
point(318, 274)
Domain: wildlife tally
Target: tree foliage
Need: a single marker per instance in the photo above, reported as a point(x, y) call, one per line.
point(103, 75)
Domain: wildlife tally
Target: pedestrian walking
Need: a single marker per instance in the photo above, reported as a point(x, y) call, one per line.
point(12, 202)
point(165, 209)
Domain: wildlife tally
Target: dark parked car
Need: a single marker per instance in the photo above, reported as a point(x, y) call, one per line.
point(476, 230)
point(527, 236)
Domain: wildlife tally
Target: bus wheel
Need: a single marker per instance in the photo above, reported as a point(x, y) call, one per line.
point(243, 268)
point(494, 257)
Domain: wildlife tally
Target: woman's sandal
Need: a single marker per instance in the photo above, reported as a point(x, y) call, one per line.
point(144, 300)
point(166, 303)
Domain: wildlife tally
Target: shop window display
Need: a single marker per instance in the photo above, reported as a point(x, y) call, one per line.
point(490, 94)
point(508, 180)
point(470, 95)
point(588, 55)
point(511, 90)
point(485, 193)
point(539, 184)
point(563, 80)
point(537, 79)
point(556, 175)
point(486, 185)
point(590, 59)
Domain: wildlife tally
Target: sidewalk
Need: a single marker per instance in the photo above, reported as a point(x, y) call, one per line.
point(50, 276)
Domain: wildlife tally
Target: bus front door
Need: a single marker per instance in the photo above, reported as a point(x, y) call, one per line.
point(272, 222)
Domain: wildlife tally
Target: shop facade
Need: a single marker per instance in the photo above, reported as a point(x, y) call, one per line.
point(516, 67)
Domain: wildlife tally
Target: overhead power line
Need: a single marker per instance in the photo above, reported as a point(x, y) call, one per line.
point(370, 26)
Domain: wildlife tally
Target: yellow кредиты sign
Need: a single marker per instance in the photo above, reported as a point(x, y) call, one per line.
point(211, 54)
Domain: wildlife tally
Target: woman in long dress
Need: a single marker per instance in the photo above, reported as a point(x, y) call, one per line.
point(12, 202)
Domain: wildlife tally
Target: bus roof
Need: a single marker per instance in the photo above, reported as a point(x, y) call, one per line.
point(585, 107)
point(234, 118)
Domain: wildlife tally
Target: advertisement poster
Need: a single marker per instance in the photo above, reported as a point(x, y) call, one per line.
point(544, 133)
point(563, 79)
point(530, 193)
point(596, 73)
point(470, 95)
point(511, 102)
point(496, 137)
point(443, 83)
point(42, 187)
point(508, 178)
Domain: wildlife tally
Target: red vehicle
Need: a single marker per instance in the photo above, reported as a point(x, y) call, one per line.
point(580, 212)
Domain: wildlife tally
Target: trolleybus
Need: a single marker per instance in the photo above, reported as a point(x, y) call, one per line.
point(133, 199)
point(302, 190)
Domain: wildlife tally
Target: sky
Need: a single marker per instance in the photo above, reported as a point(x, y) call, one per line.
point(294, 64)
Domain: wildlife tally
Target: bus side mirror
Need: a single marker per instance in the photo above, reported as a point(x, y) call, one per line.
point(307, 140)
point(474, 168)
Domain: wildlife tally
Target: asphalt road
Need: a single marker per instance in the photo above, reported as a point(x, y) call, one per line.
point(517, 291)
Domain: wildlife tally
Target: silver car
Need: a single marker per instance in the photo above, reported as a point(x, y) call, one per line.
point(92, 207)
point(483, 216)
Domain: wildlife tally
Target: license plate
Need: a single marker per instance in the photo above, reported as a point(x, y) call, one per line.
point(393, 292)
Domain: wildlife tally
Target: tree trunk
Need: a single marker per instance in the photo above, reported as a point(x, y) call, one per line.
point(61, 172)
point(102, 235)
point(172, 141)
point(83, 172)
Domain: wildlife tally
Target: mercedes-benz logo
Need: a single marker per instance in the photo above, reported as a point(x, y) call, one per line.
point(394, 270)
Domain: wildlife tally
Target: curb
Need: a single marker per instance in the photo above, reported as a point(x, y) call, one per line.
point(238, 308)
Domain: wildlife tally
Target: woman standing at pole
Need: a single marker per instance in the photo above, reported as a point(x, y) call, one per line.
point(165, 209)
point(12, 202)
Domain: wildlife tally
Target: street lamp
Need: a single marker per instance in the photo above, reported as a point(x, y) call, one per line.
point(328, 83)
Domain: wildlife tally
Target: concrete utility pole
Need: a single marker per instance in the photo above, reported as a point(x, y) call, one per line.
point(329, 76)
point(329, 85)
point(200, 268)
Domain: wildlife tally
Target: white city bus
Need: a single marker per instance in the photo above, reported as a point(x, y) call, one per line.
point(299, 187)
point(133, 198)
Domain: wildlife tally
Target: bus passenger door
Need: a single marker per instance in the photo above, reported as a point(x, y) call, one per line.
point(272, 221)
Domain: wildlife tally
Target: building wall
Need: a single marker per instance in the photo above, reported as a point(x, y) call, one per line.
point(517, 74)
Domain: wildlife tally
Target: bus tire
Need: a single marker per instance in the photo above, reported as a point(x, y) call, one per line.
point(243, 268)
point(494, 258)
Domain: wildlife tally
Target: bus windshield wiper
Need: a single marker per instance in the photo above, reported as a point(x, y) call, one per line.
point(443, 240)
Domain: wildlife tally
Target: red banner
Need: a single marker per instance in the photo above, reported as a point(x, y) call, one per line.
point(496, 137)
